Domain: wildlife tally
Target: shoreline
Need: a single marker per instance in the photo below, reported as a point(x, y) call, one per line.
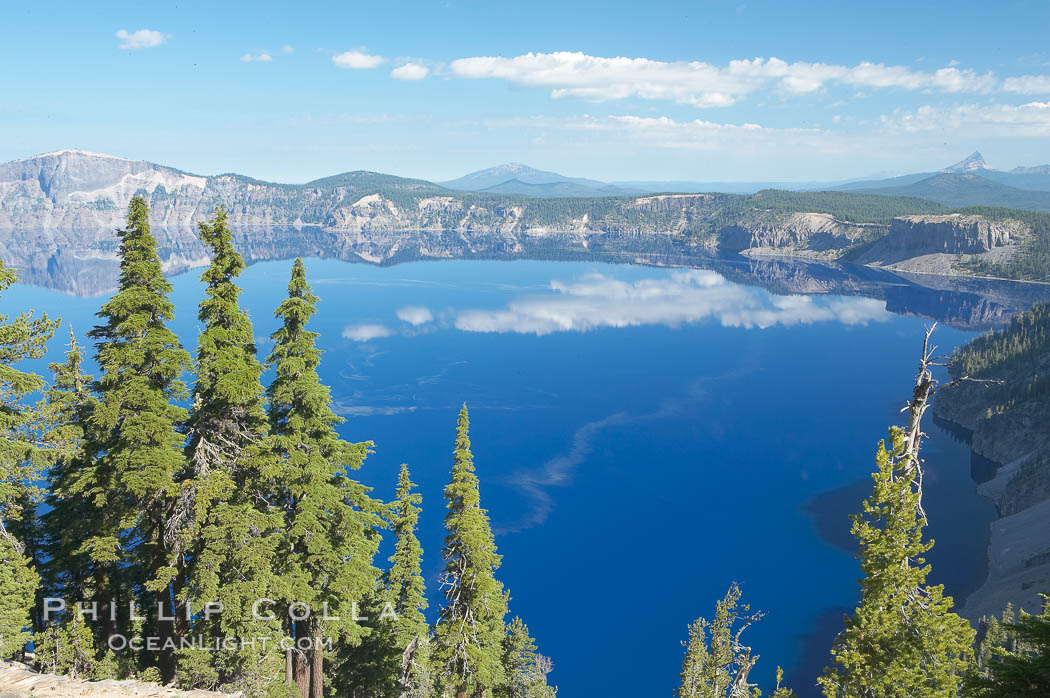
point(961, 562)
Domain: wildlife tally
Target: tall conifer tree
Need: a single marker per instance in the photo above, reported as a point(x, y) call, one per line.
point(64, 414)
point(408, 636)
point(469, 635)
point(329, 537)
point(227, 532)
point(72, 518)
point(22, 463)
point(404, 581)
point(136, 422)
point(903, 639)
point(393, 659)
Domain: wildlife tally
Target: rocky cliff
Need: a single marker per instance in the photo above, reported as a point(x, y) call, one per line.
point(58, 212)
point(1008, 415)
point(951, 234)
point(19, 681)
point(937, 243)
point(796, 232)
point(66, 193)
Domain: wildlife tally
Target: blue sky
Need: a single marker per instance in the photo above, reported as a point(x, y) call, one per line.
point(700, 90)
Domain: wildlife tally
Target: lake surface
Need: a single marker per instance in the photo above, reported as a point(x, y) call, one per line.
point(644, 436)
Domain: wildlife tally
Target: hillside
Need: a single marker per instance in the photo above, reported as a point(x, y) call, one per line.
point(967, 189)
point(58, 211)
point(555, 189)
point(1010, 424)
point(1034, 178)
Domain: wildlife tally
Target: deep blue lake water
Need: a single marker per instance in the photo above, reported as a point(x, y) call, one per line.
point(644, 437)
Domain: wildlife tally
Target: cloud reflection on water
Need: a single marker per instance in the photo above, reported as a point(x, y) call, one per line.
point(596, 300)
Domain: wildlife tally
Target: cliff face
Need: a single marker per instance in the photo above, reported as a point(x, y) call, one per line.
point(816, 232)
point(937, 243)
point(950, 234)
point(70, 193)
point(1009, 417)
point(58, 212)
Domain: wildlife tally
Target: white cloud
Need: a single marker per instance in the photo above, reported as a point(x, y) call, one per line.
point(699, 134)
point(262, 57)
point(357, 60)
point(415, 315)
point(287, 48)
point(1028, 84)
point(366, 332)
point(594, 78)
point(410, 71)
point(598, 301)
point(143, 38)
point(1023, 120)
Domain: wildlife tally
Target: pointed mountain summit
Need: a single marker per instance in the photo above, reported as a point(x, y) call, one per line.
point(973, 163)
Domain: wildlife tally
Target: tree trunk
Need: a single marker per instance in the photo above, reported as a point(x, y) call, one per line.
point(461, 692)
point(301, 665)
point(182, 625)
point(289, 672)
point(108, 602)
point(166, 635)
point(317, 667)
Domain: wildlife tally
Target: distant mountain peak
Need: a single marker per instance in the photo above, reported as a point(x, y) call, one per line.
point(72, 151)
point(972, 163)
point(509, 168)
point(483, 180)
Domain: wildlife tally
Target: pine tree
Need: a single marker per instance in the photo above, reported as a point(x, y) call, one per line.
point(139, 446)
point(329, 538)
point(22, 462)
point(469, 635)
point(408, 638)
point(716, 663)
point(525, 672)
point(393, 659)
point(18, 584)
point(406, 589)
point(1017, 662)
point(227, 534)
point(995, 634)
point(69, 572)
point(65, 410)
point(68, 648)
point(903, 638)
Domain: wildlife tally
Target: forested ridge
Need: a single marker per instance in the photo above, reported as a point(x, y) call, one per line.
point(1010, 414)
point(239, 518)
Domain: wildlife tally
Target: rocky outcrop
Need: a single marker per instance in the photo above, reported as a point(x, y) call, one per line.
point(950, 234)
point(816, 232)
point(58, 212)
point(69, 195)
point(1006, 411)
point(19, 681)
point(935, 244)
point(1018, 564)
